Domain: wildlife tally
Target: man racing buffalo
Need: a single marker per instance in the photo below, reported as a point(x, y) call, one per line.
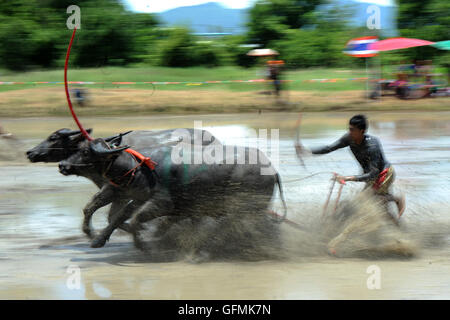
point(378, 173)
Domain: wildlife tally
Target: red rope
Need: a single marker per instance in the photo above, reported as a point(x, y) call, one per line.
point(149, 162)
point(84, 132)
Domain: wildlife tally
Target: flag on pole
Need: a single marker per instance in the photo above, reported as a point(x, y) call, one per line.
point(360, 47)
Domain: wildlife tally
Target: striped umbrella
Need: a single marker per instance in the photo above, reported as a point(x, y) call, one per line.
point(398, 43)
point(443, 45)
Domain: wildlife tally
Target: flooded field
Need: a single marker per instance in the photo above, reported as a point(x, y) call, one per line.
point(42, 246)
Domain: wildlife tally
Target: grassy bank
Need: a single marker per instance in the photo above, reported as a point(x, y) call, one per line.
point(113, 100)
point(190, 75)
point(116, 102)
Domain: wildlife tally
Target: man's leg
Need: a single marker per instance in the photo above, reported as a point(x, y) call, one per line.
point(386, 191)
point(399, 201)
point(385, 195)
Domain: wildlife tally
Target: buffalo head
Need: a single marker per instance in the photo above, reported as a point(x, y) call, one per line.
point(92, 156)
point(58, 146)
point(62, 144)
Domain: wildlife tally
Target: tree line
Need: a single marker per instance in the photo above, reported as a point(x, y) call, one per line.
point(33, 34)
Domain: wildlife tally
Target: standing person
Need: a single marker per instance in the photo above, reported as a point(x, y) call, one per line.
point(378, 173)
point(80, 96)
point(273, 74)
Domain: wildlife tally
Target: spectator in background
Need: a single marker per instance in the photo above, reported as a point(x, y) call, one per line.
point(80, 96)
point(430, 86)
point(273, 74)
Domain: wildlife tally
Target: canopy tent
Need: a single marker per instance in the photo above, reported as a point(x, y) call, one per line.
point(369, 47)
point(398, 43)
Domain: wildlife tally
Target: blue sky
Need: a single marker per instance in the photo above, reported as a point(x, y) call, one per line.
point(159, 6)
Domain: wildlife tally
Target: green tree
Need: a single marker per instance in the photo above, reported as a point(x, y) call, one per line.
point(178, 50)
point(33, 33)
point(424, 19)
point(106, 35)
point(320, 44)
point(268, 19)
point(429, 19)
point(145, 36)
point(17, 45)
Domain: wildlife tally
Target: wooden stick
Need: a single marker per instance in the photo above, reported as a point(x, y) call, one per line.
point(338, 197)
point(328, 198)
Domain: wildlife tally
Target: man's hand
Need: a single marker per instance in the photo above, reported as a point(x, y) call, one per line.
point(344, 178)
point(301, 150)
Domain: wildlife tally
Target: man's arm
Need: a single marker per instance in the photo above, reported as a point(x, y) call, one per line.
point(343, 142)
point(371, 175)
point(375, 156)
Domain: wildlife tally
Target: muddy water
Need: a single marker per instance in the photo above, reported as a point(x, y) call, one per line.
point(42, 248)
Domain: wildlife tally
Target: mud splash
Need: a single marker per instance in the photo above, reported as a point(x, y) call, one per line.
point(360, 228)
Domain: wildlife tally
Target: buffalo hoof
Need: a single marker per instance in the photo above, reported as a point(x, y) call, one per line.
point(98, 242)
point(88, 231)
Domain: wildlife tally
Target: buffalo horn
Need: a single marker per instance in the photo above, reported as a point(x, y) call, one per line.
point(102, 150)
point(120, 135)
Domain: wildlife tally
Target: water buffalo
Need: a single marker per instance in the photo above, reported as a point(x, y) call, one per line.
point(63, 143)
point(172, 189)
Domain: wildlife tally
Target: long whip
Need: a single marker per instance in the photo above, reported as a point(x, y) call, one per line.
point(83, 131)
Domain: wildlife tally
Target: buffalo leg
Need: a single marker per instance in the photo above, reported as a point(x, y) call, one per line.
point(102, 198)
point(159, 206)
point(115, 209)
point(116, 221)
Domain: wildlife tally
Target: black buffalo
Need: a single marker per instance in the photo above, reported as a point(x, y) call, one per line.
point(63, 143)
point(172, 189)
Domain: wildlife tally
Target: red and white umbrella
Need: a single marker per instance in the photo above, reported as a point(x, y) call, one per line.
point(262, 53)
point(398, 43)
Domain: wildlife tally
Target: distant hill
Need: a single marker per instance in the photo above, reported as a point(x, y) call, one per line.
point(207, 18)
point(212, 17)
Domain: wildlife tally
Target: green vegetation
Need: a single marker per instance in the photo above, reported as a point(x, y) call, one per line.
point(33, 35)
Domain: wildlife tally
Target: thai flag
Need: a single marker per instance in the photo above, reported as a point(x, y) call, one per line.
point(359, 47)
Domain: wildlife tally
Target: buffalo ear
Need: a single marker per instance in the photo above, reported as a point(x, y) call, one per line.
point(67, 132)
point(77, 138)
point(115, 142)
